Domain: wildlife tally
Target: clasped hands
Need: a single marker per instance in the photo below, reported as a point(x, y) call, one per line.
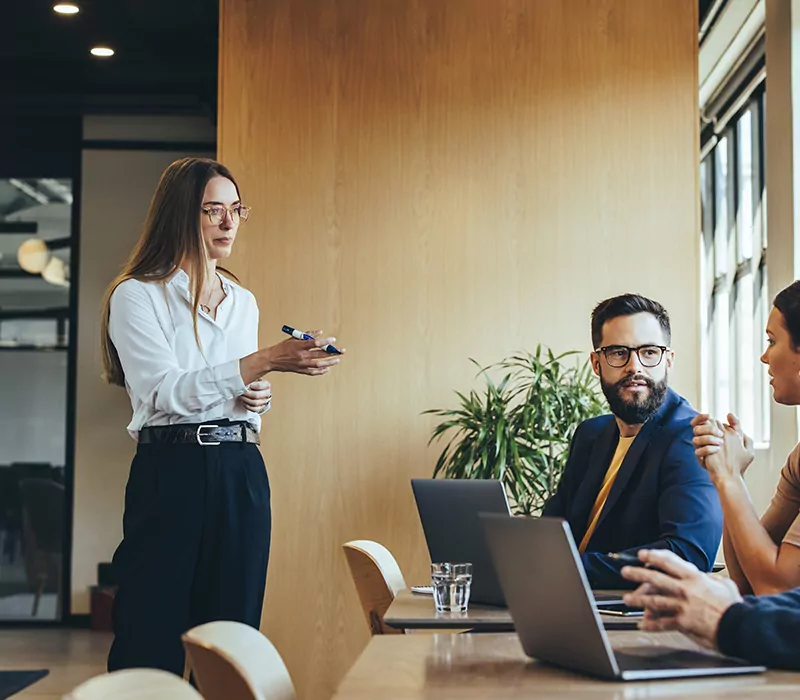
point(722, 448)
point(258, 396)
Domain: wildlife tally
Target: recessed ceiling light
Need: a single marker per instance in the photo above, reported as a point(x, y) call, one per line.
point(66, 8)
point(102, 51)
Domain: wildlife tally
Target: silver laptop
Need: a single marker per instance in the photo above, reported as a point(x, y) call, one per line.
point(556, 617)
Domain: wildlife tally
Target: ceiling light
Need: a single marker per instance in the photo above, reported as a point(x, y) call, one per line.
point(33, 256)
point(102, 51)
point(55, 272)
point(66, 8)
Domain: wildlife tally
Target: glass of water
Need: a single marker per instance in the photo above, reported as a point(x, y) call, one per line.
point(451, 584)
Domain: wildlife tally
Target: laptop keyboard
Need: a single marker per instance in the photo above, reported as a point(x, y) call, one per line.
point(422, 590)
point(607, 597)
point(653, 657)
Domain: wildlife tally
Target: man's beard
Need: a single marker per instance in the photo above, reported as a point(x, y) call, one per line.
point(643, 405)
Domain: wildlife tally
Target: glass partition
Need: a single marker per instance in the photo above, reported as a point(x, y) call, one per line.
point(35, 246)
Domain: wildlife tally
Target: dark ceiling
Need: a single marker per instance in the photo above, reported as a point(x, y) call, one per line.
point(166, 57)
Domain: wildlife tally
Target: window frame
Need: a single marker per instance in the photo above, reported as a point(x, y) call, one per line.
point(733, 275)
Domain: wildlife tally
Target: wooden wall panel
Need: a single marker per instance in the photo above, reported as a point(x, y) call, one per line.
point(434, 180)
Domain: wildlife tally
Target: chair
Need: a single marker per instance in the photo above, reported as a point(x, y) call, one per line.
point(135, 684)
point(377, 578)
point(233, 661)
point(42, 535)
point(10, 515)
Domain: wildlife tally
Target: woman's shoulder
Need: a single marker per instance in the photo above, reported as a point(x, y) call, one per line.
point(133, 286)
point(794, 455)
point(793, 464)
point(135, 290)
point(239, 290)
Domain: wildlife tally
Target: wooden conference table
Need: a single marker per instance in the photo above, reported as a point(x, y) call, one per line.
point(471, 666)
point(411, 611)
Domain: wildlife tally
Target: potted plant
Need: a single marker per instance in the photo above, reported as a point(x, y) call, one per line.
point(519, 428)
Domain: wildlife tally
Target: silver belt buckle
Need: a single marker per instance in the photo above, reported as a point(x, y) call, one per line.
point(200, 437)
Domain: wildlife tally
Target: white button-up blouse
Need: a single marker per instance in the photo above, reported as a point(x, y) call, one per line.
point(168, 377)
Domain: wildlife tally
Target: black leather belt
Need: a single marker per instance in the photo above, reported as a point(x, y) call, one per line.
point(205, 434)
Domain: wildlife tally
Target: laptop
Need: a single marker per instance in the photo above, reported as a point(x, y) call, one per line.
point(448, 509)
point(556, 617)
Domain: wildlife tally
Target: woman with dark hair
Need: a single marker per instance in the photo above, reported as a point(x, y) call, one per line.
point(762, 556)
point(183, 340)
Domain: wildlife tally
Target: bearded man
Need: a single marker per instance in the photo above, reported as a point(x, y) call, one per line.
point(632, 480)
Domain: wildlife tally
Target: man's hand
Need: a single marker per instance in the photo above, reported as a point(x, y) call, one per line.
point(675, 595)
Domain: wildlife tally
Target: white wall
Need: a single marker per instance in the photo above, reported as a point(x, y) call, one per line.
point(115, 191)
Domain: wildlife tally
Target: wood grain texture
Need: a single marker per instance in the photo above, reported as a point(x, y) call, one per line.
point(472, 666)
point(410, 611)
point(377, 580)
point(433, 180)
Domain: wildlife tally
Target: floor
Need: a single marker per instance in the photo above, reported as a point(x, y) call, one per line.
point(71, 655)
point(16, 592)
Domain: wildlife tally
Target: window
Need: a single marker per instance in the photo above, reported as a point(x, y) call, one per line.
point(733, 272)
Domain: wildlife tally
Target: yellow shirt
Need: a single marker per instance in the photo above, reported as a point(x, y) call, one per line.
point(608, 482)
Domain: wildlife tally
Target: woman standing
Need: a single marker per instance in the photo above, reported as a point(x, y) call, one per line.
point(182, 339)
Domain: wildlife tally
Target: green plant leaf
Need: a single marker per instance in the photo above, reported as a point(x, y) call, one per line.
point(519, 428)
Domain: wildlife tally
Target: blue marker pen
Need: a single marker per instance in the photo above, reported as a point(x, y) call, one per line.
point(305, 336)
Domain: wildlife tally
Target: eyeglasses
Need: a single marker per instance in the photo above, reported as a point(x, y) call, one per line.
point(216, 214)
point(620, 355)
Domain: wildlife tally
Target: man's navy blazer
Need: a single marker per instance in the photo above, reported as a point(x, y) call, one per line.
point(661, 498)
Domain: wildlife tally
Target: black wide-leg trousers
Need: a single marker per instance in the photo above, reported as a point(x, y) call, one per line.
point(196, 535)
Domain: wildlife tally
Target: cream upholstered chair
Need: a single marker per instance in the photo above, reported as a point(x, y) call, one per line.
point(135, 684)
point(233, 661)
point(377, 578)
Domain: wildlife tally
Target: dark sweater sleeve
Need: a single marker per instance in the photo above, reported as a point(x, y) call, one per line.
point(763, 630)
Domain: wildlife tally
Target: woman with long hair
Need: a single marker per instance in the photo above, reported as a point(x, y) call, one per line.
point(181, 335)
point(762, 555)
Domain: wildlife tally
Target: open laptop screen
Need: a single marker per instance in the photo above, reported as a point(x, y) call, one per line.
point(448, 510)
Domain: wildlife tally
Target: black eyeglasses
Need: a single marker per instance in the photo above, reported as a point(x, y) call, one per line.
point(620, 355)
